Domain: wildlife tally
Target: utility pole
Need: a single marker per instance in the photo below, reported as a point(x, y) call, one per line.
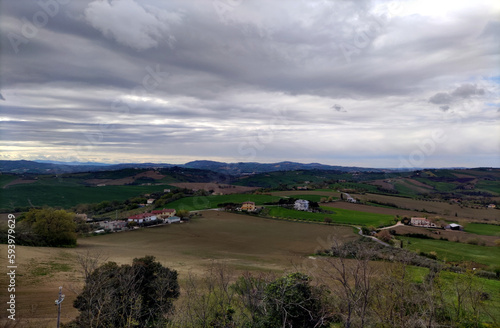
point(58, 303)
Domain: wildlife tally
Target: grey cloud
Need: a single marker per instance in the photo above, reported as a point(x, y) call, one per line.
point(467, 90)
point(440, 98)
point(338, 108)
point(131, 24)
point(1, 97)
point(462, 92)
point(230, 70)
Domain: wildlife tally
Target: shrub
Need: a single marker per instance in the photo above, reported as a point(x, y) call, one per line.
point(473, 241)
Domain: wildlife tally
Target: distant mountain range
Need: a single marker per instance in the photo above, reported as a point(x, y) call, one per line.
point(54, 167)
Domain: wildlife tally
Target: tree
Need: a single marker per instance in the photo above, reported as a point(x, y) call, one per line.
point(137, 295)
point(354, 281)
point(291, 301)
point(209, 301)
point(384, 235)
point(56, 227)
point(182, 213)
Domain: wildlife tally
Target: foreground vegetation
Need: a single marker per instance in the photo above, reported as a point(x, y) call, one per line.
point(448, 251)
point(346, 290)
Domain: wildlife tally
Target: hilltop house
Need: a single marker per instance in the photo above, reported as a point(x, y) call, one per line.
point(248, 206)
point(301, 205)
point(164, 213)
point(151, 201)
point(422, 222)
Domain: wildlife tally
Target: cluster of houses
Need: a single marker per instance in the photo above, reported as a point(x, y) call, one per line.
point(165, 215)
point(426, 223)
point(299, 205)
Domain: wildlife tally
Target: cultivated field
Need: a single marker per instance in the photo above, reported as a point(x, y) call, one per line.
point(216, 187)
point(373, 209)
point(451, 235)
point(441, 208)
point(483, 229)
point(297, 193)
point(244, 243)
point(205, 202)
point(40, 194)
point(339, 216)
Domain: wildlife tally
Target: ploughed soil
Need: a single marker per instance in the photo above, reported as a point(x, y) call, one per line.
point(383, 183)
point(419, 184)
point(241, 242)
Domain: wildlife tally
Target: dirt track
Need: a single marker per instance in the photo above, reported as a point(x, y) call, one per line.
point(18, 181)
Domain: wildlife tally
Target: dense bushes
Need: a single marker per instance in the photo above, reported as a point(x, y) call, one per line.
point(45, 227)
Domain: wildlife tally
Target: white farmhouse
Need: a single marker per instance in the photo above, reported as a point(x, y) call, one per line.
point(301, 205)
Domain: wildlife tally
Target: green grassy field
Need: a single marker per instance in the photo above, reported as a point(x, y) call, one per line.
point(38, 194)
point(439, 186)
point(290, 178)
point(341, 216)
point(490, 286)
point(5, 179)
point(456, 252)
point(489, 186)
point(483, 229)
point(311, 197)
point(205, 202)
point(448, 279)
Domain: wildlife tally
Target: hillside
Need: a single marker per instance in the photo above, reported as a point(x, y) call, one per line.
point(474, 186)
point(220, 167)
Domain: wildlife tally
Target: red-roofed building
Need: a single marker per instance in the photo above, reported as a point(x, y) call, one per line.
point(143, 217)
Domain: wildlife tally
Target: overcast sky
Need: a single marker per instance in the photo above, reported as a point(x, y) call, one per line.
point(366, 83)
